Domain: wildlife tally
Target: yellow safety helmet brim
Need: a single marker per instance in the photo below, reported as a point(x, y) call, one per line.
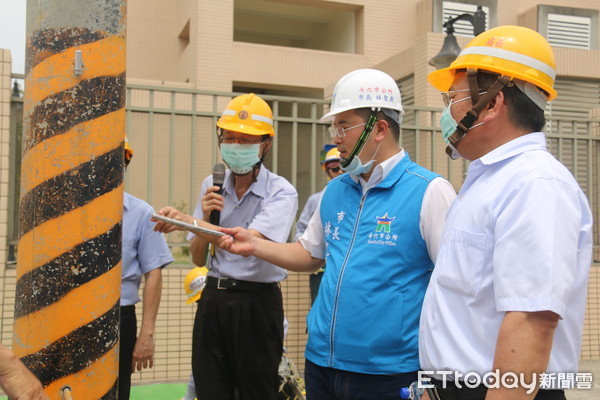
point(332, 155)
point(512, 51)
point(244, 128)
point(194, 298)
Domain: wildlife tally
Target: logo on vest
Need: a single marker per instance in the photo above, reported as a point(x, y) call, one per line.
point(383, 235)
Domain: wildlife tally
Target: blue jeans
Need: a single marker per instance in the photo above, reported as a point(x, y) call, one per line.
point(333, 384)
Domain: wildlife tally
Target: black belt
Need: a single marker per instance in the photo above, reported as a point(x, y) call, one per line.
point(234, 284)
point(453, 392)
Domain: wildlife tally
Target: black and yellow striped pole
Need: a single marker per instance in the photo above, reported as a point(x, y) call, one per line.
point(69, 256)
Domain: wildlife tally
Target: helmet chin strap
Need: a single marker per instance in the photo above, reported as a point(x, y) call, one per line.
point(479, 102)
point(345, 162)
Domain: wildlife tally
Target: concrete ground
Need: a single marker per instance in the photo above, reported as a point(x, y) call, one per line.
point(584, 394)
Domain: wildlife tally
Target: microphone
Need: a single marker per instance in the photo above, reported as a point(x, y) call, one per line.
point(218, 178)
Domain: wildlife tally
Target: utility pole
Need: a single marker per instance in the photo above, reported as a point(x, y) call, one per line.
point(66, 327)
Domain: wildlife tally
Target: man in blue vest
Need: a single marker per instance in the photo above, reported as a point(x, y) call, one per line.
point(378, 229)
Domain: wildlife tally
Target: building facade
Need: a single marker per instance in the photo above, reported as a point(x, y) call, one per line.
point(186, 58)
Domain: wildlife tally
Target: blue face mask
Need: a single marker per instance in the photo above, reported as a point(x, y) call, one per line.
point(449, 126)
point(357, 168)
point(447, 123)
point(240, 158)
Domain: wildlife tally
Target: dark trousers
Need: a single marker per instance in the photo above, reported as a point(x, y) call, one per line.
point(451, 392)
point(541, 395)
point(237, 344)
point(128, 335)
point(324, 383)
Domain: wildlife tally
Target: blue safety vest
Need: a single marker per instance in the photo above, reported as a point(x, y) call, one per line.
point(366, 316)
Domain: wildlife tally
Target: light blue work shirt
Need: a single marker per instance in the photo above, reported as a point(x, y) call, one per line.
point(307, 212)
point(144, 249)
point(269, 206)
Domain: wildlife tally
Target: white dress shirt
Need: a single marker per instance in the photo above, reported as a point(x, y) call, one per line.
point(517, 238)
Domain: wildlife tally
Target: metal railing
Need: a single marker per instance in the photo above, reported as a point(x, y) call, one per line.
point(173, 137)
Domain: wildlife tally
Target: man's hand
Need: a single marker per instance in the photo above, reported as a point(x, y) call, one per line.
point(143, 353)
point(16, 380)
point(211, 201)
point(240, 241)
point(249, 242)
point(173, 213)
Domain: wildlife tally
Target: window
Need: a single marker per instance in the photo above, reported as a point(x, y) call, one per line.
point(569, 27)
point(454, 9)
point(443, 10)
point(318, 26)
point(569, 31)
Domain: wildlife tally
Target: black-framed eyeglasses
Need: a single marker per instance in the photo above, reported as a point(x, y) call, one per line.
point(335, 170)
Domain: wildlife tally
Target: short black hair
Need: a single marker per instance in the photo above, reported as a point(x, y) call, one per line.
point(394, 127)
point(522, 111)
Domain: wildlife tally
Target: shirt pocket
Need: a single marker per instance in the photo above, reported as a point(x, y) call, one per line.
point(463, 258)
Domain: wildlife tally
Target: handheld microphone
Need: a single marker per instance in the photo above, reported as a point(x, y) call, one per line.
point(218, 178)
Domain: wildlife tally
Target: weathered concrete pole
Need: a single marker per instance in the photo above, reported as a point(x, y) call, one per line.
point(69, 256)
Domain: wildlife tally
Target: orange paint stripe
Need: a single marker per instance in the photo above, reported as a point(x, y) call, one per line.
point(57, 236)
point(61, 153)
point(56, 73)
point(90, 383)
point(43, 327)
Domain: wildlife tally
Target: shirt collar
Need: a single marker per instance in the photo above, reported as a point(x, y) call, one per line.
point(126, 200)
point(259, 187)
point(380, 171)
point(531, 141)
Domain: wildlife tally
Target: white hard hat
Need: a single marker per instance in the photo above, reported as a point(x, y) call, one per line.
point(366, 88)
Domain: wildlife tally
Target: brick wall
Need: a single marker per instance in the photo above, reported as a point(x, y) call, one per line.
point(5, 89)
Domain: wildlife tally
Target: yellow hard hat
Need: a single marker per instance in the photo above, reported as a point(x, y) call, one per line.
point(512, 51)
point(248, 114)
point(331, 154)
point(194, 283)
point(128, 152)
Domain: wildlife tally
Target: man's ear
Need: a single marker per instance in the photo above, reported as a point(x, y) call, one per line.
point(266, 146)
point(381, 129)
point(494, 107)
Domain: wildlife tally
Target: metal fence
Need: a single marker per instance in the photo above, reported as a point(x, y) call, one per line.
point(172, 133)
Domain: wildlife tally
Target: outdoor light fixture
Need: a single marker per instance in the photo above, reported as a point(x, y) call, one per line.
point(450, 48)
